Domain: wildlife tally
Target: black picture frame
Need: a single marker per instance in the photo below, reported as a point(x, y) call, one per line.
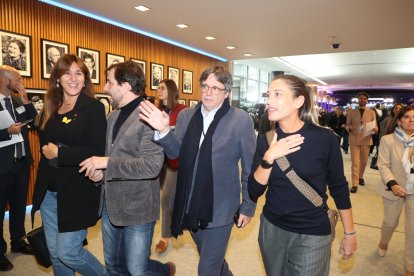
point(37, 97)
point(112, 59)
point(192, 103)
point(14, 44)
point(51, 51)
point(105, 99)
point(174, 74)
point(157, 75)
point(142, 63)
point(187, 82)
point(88, 54)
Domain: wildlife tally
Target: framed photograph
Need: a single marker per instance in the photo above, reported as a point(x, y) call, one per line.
point(91, 59)
point(157, 75)
point(192, 103)
point(16, 52)
point(142, 63)
point(105, 100)
point(51, 53)
point(182, 101)
point(187, 82)
point(37, 97)
point(174, 74)
point(112, 59)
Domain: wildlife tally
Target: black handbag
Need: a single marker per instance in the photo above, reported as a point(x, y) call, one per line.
point(374, 162)
point(37, 241)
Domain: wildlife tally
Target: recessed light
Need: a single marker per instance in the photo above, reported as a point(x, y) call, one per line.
point(231, 47)
point(142, 8)
point(210, 37)
point(182, 26)
point(248, 55)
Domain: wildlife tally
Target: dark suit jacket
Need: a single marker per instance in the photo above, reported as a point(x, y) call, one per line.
point(7, 153)
point(77, 196)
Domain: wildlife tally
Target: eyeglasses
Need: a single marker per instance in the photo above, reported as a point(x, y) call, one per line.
point(214, 89)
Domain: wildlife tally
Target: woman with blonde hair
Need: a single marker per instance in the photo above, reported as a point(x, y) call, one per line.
point(72, 127)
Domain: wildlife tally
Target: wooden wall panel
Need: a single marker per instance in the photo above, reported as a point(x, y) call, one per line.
point(39, 20)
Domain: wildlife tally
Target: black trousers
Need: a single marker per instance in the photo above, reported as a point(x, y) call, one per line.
point(13, 189)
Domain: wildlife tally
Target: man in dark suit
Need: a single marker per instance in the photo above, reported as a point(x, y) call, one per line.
point(210, 140)
point(16, 159)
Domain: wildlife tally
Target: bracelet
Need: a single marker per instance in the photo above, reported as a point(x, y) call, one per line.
point(350, 234)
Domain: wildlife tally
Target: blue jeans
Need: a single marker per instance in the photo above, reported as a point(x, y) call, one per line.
point(66, 249)
point(127, 249)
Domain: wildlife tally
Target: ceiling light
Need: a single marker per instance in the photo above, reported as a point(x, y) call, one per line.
point(300, 70)
point(182, 26)
point(210, 37)
point(248, 55)
point(142, 8)
point(231, 47)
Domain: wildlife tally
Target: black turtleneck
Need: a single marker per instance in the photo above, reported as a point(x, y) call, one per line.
point(124, 114)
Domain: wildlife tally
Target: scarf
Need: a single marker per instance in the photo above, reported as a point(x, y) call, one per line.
point(193, 205)
point(406, 158)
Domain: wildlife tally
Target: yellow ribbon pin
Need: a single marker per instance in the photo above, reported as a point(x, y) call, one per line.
point(66, 120)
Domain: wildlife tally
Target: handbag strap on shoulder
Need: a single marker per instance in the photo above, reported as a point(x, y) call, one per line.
point(298, 182)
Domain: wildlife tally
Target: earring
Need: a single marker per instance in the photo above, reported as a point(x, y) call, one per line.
point(57, 84)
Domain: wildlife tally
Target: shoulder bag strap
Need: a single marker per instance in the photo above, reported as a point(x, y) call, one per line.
point(298, 182)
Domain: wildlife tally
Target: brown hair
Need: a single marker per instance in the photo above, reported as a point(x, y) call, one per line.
point(54, 95)
point(397, 117)
point(173, 93)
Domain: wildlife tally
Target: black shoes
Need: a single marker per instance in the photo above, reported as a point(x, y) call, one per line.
point(362, 182)
point(353, 189)
point(25, 249)
point(5, 264)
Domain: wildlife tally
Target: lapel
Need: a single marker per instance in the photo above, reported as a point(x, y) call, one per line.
point(133, 119)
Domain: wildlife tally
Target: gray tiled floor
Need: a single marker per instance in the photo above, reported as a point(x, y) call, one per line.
point(243, 254)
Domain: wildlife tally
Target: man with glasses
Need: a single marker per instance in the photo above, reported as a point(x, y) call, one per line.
point(214, 137)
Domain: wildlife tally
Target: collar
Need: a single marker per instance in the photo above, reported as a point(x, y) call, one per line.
point(206, 113)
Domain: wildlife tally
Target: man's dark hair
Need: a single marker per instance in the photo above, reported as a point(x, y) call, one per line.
point(131, 73)
point(363, 94)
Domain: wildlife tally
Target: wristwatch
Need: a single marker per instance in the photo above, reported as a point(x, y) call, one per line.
point(266, 165)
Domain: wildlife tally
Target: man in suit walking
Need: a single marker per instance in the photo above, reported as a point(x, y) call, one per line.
point(360, 139)
point(16, 159)
point(210, 140)
point(131, 199)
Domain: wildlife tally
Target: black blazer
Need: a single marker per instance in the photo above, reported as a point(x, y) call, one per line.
point(84, 136)
point(7, 153)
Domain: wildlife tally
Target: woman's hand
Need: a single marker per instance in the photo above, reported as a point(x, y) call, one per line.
point(283, 147)
point(348, 246)
point(156, 118)
point(397, 190)
point(50, 151)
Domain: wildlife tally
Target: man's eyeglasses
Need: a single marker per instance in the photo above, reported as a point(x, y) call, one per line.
point(214, 89)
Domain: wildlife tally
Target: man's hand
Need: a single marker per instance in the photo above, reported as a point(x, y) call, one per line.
point(50, 151)
point(15, 128)
point(156, 118)
point(348, 246)
point(90, 165)
point(97, 176)
point(243, 221)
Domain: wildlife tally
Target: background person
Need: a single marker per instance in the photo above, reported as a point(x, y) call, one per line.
point(360, 140)
point(71, 127)
point(37, 102)
point(168, 102)
point(15, 55)
point(210, 140)
point(90, 64)
point(396, 188)
point(15, 162)
point(386, 123)
point(294, 234)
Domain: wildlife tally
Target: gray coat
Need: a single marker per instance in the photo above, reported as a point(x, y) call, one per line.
point(234, 140)
point(132, 189)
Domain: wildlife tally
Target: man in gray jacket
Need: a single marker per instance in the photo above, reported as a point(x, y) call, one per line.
point(131, 198)
point(210, 140)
